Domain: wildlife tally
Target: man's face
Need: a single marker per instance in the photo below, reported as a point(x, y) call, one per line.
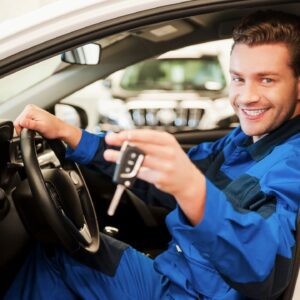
point(264, 90)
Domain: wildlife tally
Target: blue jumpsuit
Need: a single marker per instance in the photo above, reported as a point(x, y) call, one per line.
point(242, 249)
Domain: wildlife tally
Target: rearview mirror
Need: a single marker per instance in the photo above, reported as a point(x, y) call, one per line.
point(89, 54)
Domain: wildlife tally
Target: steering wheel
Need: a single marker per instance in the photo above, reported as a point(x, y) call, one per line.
point(61, 196)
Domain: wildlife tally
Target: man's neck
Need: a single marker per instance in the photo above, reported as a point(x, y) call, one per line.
point(257, 138)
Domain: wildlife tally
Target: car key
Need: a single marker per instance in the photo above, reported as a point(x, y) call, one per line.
point(125, 173)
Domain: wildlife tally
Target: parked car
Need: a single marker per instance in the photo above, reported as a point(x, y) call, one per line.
point(31, 70)
point(184, 89)
point(192, 94)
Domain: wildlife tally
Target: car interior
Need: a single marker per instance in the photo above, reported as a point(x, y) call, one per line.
point(33, 168)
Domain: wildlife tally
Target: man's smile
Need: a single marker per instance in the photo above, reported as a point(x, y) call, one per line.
point(253, 114)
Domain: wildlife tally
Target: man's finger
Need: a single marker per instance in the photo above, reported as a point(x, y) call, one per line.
point(148, 136)
point(149, 175)
point(164, 151)
point(18, 129)
point(114, 139)
point(140, 135)
point(156, 163)
point(17, 126)
point(111, 155)
point(150, 162)
point(28, 123)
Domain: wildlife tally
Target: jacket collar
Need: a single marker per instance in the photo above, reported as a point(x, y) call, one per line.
point(265, 145)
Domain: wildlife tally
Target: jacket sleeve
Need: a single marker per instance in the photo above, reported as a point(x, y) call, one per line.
point(247, 232)
point(90, 150)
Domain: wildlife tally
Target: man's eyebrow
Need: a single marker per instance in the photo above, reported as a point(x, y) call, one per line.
point(234, 72)
point(270, 73)
point(260, 74)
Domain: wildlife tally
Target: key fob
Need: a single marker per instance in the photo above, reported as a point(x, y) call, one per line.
point(128, 165)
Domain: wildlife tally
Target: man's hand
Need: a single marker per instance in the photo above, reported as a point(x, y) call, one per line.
point(166, 166)
point(49, 126)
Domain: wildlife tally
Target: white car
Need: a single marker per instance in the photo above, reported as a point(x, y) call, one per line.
point(184, 89)
point(31, 70)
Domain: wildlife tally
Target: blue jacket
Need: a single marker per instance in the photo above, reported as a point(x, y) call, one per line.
point(244, 245)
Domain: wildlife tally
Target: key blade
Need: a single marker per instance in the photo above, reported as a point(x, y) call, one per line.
point(115, 200)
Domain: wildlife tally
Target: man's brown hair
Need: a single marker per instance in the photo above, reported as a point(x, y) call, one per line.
point(269, 27)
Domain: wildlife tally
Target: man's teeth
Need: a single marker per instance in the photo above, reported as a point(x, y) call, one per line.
point(254, 112)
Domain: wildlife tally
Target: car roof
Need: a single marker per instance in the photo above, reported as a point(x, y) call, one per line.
point(62, 17)
point(64, 24)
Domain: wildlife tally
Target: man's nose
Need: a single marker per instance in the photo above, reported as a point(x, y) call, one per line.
point(249, 93)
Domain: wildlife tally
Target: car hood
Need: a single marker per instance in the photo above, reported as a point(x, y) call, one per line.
point(161, 95)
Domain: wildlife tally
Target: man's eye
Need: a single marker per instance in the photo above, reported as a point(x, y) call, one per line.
point(237, 79)
point(267, 80)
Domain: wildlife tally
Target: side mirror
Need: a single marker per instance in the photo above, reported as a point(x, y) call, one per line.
point(71, 114)
point(89, 54)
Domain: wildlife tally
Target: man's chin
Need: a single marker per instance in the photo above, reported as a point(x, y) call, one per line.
point(250, 131)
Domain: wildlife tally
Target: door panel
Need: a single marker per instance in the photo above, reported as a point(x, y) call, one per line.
point(193, 138)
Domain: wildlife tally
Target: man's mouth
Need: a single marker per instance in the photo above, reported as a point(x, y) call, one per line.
point(253, 112)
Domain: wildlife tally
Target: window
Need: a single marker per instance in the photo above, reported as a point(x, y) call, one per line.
point(203, 73)
point(27, 78)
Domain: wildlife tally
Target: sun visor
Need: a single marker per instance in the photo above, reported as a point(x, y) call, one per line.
point(164, 31)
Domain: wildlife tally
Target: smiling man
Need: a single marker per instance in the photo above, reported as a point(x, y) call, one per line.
point(237, 199)
point(264, 91)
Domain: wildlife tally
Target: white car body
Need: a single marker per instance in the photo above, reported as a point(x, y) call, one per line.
point(62, 17)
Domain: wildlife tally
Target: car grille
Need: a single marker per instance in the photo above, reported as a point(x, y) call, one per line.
point(171, 118)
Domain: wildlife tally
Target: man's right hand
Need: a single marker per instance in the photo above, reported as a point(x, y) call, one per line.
point(48, 125)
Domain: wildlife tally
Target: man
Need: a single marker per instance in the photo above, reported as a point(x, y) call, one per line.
point(237, 199)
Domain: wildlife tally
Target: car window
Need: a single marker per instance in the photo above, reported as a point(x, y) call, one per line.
point(181, 90)
point(204, 73)
point(27, 78)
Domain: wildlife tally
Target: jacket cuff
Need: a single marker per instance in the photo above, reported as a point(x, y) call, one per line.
point(86, 149)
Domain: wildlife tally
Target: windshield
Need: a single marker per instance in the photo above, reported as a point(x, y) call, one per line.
point(203, 73)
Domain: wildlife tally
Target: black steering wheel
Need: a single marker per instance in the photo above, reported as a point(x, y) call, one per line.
point(61, 196)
